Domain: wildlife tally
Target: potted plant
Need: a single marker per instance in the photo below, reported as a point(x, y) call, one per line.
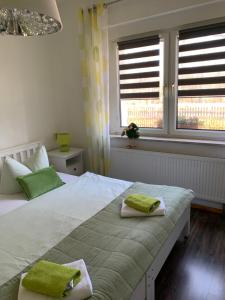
point(132, 132)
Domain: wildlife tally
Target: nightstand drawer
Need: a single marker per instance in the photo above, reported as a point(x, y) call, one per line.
point(75, 169)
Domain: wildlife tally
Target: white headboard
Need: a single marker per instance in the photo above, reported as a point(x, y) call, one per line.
point(20, 153)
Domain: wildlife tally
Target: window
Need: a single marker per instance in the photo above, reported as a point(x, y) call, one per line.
point(201, 78)
point(174, 82)
point(140, 78)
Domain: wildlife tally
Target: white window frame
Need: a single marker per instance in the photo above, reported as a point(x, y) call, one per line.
point(115, 106)
point(170, 57)
point(173, 131)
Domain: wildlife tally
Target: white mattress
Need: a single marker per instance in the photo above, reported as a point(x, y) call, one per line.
point(11, 202)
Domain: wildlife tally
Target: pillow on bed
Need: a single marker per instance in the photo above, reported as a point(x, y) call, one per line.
point(39, 182)
point(39, 160)
point(11, 170)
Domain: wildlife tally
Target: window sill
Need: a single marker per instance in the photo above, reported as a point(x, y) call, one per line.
point(174, 140)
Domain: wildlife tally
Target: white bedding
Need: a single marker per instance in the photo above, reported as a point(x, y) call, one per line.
point(53, 216)
point(11, 202)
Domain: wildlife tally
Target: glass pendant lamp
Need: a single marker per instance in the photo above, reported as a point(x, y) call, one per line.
point(29, 17)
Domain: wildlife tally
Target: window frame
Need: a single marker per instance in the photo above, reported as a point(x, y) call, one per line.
point(114, 75)
point(173, 131)
point(170, 88)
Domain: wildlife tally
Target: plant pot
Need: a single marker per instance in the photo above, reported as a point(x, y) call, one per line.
point(132, 143)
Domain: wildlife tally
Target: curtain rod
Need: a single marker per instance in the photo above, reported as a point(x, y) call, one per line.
point(112, 2)
point(106, 4)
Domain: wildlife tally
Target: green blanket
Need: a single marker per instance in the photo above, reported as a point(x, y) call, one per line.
point(117, 251)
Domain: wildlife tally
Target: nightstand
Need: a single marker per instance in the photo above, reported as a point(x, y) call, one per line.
point(70, 162)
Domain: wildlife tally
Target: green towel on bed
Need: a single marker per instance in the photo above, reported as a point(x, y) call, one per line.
point(51, 279)
point(143, 203)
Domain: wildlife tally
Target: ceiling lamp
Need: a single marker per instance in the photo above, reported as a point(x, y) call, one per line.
point(29, 17)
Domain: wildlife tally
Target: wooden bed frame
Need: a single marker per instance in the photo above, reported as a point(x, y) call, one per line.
point(146, 288)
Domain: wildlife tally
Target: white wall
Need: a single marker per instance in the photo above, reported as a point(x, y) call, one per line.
point(40, 78)
point(130, 17)
point(129, 10)
point(40, 84)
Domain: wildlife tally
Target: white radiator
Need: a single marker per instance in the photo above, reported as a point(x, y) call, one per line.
point(204, 175)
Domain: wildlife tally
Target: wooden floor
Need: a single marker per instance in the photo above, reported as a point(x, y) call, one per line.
point(195, 269)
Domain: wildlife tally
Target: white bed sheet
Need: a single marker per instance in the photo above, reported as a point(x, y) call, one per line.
point(67, 178)
point(112, 186)
point(11, 202)
point(60, 211)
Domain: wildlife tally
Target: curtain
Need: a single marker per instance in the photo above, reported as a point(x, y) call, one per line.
point(94, 63)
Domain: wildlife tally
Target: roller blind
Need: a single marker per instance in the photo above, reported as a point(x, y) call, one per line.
point(201, 71)
point(139, 68)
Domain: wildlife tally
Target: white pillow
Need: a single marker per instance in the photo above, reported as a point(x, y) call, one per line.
point(39, 160)
point(12, 169)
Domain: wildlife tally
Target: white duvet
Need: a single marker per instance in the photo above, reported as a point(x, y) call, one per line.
point(11, 202)
point(26, 233)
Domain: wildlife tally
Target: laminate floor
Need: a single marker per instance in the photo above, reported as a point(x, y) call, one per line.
point(195, 268)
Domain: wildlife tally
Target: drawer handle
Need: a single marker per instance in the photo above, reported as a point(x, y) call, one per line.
point(75, 169)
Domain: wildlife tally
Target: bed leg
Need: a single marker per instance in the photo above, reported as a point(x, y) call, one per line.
point(186, 230)
point(150, 288)
point(187, 227)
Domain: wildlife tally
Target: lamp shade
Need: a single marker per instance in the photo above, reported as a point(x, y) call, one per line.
point(29, 17)
point(63, 140)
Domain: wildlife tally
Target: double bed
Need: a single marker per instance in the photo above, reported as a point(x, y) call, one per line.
point(82, 219)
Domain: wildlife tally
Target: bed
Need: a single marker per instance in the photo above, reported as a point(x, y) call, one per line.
point(81, 220)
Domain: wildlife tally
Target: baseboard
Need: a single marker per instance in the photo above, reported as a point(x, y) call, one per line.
point(207, 208)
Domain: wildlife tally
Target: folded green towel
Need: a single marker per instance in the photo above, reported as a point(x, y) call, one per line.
point(51, 279)
point(146, 204)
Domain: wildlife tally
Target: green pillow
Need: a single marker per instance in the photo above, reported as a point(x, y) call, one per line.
point(39, 182)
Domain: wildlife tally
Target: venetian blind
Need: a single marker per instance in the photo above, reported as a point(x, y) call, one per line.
point(201, 70)
point(139, 68)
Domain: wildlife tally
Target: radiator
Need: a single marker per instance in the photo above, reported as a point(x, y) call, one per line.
point(204, 175)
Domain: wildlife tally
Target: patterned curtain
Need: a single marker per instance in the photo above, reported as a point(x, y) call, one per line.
point(94, 57)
